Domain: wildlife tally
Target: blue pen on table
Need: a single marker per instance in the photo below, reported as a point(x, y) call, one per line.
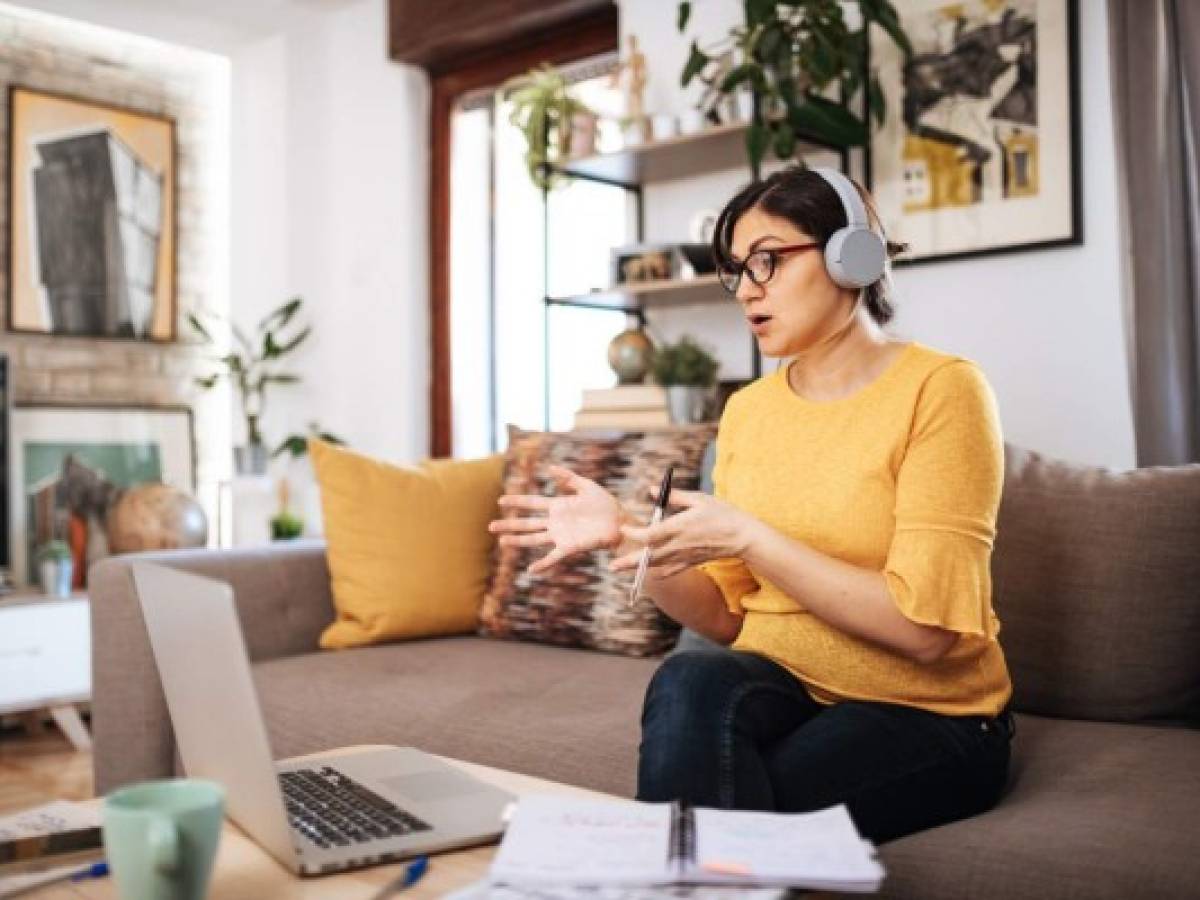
point(411, 875)
point(95, 870)
point(35, 881)
point(660, 507)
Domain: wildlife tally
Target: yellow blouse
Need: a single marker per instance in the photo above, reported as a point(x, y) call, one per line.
point(903, 477)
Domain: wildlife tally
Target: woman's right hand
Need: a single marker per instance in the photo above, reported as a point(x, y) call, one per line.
point(583, 517)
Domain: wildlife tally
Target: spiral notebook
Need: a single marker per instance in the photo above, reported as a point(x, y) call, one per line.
point(581, 841)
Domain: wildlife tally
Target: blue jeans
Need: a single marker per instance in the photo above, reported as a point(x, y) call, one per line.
point(735, 730)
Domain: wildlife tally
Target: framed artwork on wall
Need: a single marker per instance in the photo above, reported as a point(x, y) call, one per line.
point(979, 150)
point(92, 217)
point(71, 463)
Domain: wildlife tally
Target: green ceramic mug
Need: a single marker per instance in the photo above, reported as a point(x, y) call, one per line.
point(160, 838)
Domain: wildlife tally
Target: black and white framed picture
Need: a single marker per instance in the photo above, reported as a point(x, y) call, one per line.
point(91, 219)
point(979, 149)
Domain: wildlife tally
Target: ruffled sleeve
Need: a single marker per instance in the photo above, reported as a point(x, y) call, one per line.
point(947, 498)
point(731, 575)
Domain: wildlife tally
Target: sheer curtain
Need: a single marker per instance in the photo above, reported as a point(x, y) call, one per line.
point(1156, 98)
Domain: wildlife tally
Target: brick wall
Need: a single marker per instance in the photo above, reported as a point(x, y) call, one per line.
point(192, 88)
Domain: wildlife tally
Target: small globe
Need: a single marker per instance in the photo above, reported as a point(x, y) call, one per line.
point(155, 517)
point(629, 355)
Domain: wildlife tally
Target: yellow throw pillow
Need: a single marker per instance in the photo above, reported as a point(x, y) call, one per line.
point(409, 549)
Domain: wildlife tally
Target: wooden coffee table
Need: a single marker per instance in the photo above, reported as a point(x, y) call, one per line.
point(245, 870)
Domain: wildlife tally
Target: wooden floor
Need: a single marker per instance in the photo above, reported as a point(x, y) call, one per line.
point(39, 767)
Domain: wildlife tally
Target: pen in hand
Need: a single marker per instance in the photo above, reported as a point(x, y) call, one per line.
point(660, 506)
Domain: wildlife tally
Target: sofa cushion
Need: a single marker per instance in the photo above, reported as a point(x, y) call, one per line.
point(581, 603)
point(1093, 810)
point(409, 550)
point(555, 713)
point(1096, 577)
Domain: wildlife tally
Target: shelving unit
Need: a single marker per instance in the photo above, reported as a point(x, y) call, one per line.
point(715, 149)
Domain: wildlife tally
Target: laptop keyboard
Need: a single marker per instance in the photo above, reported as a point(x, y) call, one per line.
point(332, 810)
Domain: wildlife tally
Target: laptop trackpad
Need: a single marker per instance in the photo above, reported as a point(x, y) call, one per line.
point(432, 785)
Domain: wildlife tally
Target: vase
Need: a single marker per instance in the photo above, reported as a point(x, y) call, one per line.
point(687, 403)
point(56, 576)
point(629, 355)
point(583, 135)
point(250, 459)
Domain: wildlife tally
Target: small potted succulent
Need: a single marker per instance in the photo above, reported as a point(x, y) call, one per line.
point(689, 373)
point(285, 524)
point(56, 566)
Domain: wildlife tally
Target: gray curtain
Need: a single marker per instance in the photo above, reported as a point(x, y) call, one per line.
point(1156, 105)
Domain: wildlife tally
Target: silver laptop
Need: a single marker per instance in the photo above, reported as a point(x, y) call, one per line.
point(343, 811)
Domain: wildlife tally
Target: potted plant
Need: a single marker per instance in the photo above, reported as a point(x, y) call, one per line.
point(56, 566)
point(789, 58)
point(688, 371)
point(251, 367)
point(285, 524)
point(543, 108)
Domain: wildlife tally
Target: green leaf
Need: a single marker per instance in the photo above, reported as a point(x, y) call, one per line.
point(889, 20)
point(283, 315)
point(828, 121)
point(296, 444)
point(757, 137)
point(767, 42)
point(697, 60)
point(295, 342)
point(785, 141)
point(740, 74)
point(759, 11)
point(685, 12)
point(199, 328)
point(208, 381)
point(280, 378)
point(331, 438)
point(233, 362)
point(876, 102)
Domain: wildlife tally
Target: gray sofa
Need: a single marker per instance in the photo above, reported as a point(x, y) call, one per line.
point(1097, 583)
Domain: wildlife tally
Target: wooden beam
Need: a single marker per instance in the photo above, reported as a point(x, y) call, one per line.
point(444, 35)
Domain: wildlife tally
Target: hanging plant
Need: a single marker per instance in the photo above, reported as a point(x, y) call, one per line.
point(542, 107)
point(792, 56)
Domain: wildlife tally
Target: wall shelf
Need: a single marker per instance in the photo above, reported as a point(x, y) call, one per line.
point(713, 149)
point(673, 292)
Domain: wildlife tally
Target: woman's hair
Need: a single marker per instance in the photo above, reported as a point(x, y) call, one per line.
point(809, 202)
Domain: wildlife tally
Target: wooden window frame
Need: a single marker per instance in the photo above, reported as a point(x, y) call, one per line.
point(579, 38)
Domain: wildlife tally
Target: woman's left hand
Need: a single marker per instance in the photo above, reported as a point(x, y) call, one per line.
point(707, 529)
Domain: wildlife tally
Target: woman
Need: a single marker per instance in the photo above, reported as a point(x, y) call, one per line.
point(844, 556)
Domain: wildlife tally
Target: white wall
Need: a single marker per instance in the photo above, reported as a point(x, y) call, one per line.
point(330, 188)
point(1045, 325)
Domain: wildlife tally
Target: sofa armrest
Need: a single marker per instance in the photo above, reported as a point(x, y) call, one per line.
point(283, 602)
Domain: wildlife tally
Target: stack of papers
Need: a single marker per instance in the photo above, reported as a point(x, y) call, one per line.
point(50, 818)
point(559, 842)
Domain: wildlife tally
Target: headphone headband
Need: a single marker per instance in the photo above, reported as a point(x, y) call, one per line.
point(856, 212)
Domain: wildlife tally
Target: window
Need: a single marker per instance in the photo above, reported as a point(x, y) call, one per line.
point(503, 337)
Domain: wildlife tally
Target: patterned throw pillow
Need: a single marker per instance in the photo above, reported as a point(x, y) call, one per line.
point(581, 603)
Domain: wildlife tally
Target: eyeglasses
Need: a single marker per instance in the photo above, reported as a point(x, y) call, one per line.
point(759, 266)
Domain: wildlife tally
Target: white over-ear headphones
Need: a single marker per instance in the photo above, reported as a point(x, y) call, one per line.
point(856, 255)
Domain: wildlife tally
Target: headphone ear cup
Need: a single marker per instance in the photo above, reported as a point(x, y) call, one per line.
point(855, 257)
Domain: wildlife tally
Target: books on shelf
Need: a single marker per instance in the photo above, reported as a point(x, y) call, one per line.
point(622, 418)
point(555, 840)
point(625, 396)
point(627, 406)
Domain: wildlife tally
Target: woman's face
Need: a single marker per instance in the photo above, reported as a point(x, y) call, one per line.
point(800, 304)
